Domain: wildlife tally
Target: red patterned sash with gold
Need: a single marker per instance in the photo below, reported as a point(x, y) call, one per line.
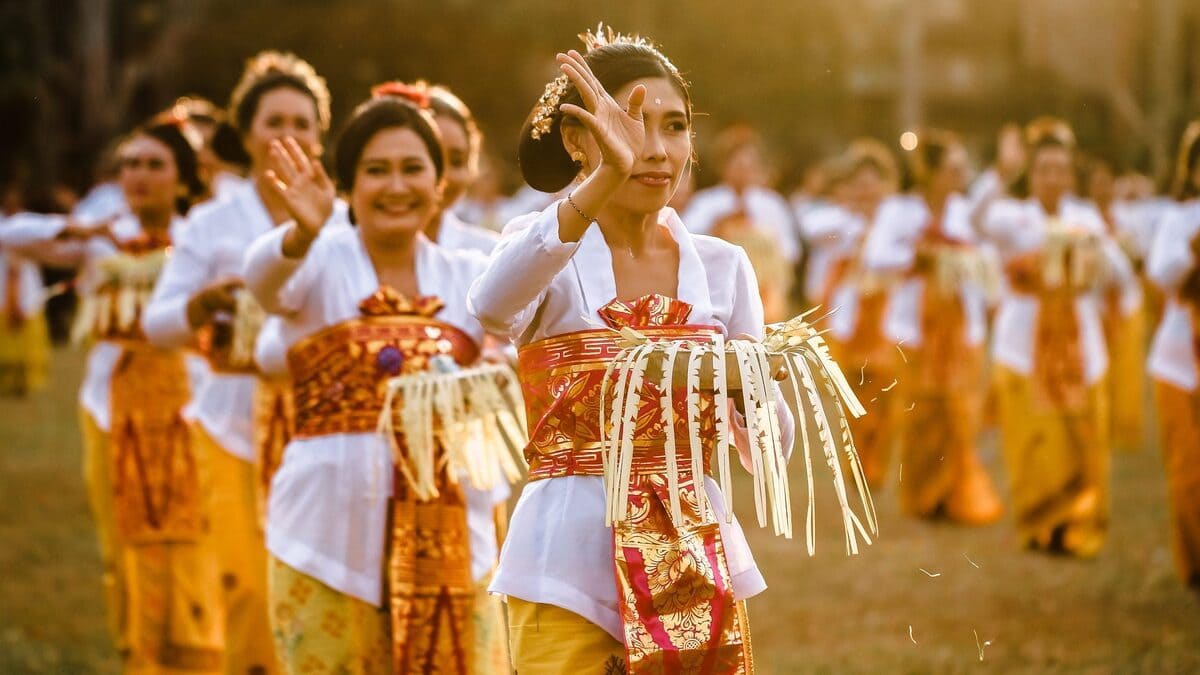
point(673, 581)
point(340, 377)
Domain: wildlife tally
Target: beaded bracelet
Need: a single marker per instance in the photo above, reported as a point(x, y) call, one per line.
point(579, 210)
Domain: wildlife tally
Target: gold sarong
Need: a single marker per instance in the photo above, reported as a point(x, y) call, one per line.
point(943, 387)
point(339, 378)
point(1058, 461)
point(1179, 424)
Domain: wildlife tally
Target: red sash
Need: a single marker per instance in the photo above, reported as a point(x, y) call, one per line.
point(673, 581)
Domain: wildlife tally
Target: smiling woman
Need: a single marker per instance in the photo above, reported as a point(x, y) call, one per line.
point(665, 588)
point(351, 535)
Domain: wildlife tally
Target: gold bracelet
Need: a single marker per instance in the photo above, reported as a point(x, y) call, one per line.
point(579, 210)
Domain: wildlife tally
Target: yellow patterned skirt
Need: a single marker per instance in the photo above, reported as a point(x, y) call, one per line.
point(96, 479)
point(1127, 379)
point(1059, 463)
point(24, 356)
point(175, 618)
point(232, 507)
point(318, 629)
point(1179, 419)
point(940, 471)
point(547, 640)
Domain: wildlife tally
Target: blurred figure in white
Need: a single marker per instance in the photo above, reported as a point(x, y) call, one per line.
point(741, 209)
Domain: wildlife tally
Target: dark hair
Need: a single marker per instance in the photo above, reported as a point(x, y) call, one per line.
point(1185, 166)
point(375, 115)
point(869, 153)
point(545, 163)
point(932, 147)
point(174, 135)
point(271, 70)
point(444, 103)
point(227, 145)
point(1041, 134)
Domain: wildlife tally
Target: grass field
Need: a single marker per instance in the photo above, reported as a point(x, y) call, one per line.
point(1124, 612)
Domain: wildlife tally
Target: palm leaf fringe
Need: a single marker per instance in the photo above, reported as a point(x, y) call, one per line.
point(477, 414)
point(816, 393)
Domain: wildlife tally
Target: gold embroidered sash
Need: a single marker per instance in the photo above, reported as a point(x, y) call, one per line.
point(339, 381)
point(673, 582)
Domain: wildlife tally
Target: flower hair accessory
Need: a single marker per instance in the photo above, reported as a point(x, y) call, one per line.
point(418, 95)
point(547, 106)
point(603, 36)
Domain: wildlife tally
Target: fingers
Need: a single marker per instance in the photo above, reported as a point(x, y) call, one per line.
point(586, 92)
point(282, 165)
point(582, 66)
point(298, 156)
point(322, 179)
point(637, 97)
point(274, 181)
point(586, 118)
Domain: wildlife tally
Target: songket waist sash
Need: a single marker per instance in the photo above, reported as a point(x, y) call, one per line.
point(674, 588)
point(339, 383)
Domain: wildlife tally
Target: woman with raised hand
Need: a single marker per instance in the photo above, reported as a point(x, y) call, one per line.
point(614, 131)
point(369, 572)
point(1049, 348)
point(199, 296)
point(936, 312)
point(1174, 265)
point(143, 479)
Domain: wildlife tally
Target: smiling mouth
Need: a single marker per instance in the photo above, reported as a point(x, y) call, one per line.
point(653, 178)
point(397, 209)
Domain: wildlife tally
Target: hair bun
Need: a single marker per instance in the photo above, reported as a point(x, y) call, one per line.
point(544, 161)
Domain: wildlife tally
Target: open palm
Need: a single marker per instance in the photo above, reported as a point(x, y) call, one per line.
point(618, 130)
point(307, 191)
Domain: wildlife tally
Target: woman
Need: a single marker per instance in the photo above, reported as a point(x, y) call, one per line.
point(141, 471)
point(1174, 265)
point(356, 306)
point(937, 312)
point(24, 333)
point(1124, 328)
point(857, 301)
point(614, 133)
point(1050, 351)
point(463, 142)
point(199, 296)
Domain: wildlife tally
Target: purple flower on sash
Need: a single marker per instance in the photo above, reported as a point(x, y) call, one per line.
point(389, 360)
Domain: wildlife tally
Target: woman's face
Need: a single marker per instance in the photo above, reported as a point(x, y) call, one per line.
point(866, 189)
point(951, 175)
point(461, 167)
point(659, 167)
point(148, 175)
point(395, 191)
point(1050, 175)
point(282, 112)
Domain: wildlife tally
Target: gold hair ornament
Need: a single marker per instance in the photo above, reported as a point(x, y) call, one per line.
point(603, 36)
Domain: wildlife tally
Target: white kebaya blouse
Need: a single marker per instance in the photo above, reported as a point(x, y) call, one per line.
point(327, 514)
point(558, 549)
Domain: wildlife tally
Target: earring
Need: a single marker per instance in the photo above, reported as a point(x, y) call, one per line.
point(578, 157)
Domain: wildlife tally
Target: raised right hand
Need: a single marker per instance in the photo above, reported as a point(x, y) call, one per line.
point(301, 182)
point(618, 130)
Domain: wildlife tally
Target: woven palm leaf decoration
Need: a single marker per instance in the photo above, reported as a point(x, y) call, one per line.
point(122, 285)
point(477, 414)
point(816, 392)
